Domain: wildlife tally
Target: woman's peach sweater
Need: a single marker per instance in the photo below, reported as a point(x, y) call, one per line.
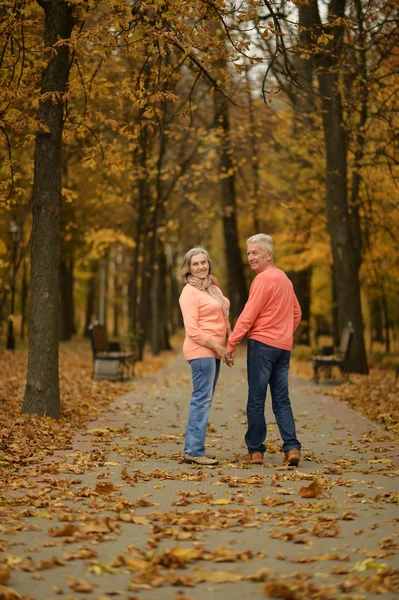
point(203, 318)
point(272, 312)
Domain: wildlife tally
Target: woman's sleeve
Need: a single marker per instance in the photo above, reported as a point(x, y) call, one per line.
point(190, 311)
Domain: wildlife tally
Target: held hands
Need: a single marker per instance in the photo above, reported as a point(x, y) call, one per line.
point(227, 356)
point(229, 359)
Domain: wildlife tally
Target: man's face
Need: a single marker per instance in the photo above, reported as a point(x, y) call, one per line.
point(259, 258)
point(199, 266)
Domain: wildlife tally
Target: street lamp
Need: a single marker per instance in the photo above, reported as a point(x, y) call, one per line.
point(14, 232)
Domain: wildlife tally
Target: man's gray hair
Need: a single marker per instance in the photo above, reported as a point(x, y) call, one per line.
point(263, 240)
point(184, 271)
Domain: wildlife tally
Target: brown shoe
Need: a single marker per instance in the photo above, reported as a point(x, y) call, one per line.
point(292, 458)
point(254, 458)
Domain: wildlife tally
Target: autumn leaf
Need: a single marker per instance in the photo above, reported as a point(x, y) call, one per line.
point(7, 593)
point(314, 489)
point(271, 501)
point(104, 488)
point(278, 589)
point(49, 564)
point(66, 531)
point(81, 586)
point(218, 576)
point(4, 574)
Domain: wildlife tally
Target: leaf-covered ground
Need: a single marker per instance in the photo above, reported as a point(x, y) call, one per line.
point(82, 400)
point(117, 513)
point(376, 396)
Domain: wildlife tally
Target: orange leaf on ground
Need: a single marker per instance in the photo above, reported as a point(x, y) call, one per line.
point(81, 586)
point(314, 489)
point(4, 573)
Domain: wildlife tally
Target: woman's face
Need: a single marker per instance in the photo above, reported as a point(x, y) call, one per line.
point(199, 266)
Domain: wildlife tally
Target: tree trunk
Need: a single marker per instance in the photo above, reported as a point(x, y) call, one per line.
point(386, 322)
point(42, 393)
point(159, 306)
point(301, 282)
point(176, 318)
point(237, 288)
point(66, 299)
point(346, 260)
point(336, 333)
point(117, 304)
point(90, 301)
point(24, 300)
point(145, 297)
point(376, 321)
point(134, 294)
point(253, 129)
point(345, 251)
point(164, 301)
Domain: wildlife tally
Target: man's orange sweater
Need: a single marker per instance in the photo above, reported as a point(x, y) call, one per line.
point(272, 312)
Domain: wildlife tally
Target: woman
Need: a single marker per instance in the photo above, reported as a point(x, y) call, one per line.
point(205, 315)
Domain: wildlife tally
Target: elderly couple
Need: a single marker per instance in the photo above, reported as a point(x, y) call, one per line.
point(270, 317)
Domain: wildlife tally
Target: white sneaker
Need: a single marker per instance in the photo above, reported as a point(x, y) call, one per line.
point(200, 460)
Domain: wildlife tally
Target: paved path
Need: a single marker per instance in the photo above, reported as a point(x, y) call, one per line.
point(119, 515)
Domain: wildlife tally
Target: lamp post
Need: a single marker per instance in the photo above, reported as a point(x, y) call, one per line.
point(14, 232)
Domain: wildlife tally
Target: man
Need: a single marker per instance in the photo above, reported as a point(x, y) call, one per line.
point(270, 317)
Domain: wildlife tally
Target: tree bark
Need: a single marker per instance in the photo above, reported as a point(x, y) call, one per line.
point(42, 392)
point(376, 321)
point(91, 300)
point(336, 333)
point(237, 287)
point(24, 299)
point(66, 299)
point(346, 254)
point(301, 282)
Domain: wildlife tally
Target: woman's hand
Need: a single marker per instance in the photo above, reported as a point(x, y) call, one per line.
point(220, 350)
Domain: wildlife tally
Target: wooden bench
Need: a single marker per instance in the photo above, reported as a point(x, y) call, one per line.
point(109, 361)
point(338, 359)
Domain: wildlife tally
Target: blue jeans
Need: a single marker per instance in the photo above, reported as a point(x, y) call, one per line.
point(268, 366)
point(205, 372)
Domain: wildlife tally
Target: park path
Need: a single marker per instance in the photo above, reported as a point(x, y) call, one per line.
point(120, 515)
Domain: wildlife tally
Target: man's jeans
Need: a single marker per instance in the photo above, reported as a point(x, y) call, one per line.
point(267, 365)
point(205, 372)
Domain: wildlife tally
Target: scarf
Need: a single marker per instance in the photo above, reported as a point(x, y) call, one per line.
point(210, 286)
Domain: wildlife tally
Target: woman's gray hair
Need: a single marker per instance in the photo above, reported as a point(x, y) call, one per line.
point(263, 240)
point(184, 271)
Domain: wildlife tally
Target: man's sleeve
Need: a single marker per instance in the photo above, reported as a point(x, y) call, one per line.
point(297, 311)
point(189, 309)
point(256, 301)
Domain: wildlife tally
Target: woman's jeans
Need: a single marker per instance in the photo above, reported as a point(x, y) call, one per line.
point(268, 366)
point(205, 372)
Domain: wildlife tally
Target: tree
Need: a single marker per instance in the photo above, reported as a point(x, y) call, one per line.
point(42, 394)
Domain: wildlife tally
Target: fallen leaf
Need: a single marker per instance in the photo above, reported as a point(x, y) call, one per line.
point(104, 488)
point(81, 586)
point(49, 564)
point(4, 574)
point(7, 593)
point(218, 576)
point(314, 489)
